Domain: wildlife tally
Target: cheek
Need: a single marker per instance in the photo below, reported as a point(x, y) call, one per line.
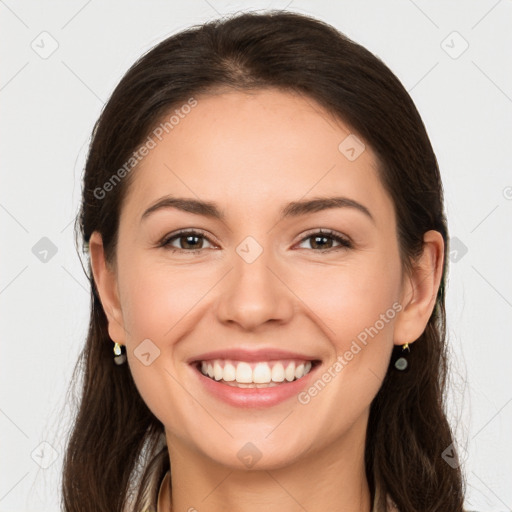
point(351, 300)
point(356, 309)
point(157, 302)
point(160, 303)
point(357, 305)
point(156, 297)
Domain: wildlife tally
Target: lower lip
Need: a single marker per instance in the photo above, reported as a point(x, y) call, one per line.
point(254, 397)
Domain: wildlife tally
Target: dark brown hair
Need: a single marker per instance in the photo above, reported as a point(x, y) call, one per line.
point(114, 451)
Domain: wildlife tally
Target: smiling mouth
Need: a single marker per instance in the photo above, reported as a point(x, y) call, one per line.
point(261, 374)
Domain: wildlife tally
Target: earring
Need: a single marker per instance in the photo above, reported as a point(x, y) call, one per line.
point(401, 363)
point(119, 355)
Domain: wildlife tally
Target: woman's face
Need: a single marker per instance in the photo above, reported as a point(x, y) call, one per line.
point(257, 282)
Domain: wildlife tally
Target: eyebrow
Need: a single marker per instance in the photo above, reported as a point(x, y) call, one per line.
point(294, 209)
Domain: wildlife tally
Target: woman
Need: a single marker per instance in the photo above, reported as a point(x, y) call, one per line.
point(263, 213)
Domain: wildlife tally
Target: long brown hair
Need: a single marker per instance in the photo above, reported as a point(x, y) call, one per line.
point(115, 452)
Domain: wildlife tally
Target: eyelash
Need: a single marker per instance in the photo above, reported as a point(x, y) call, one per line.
point(345, 243)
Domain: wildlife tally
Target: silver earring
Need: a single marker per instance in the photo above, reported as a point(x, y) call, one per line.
point(401, 363)
point(119, 354)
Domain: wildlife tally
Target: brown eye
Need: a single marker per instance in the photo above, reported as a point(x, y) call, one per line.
point(323, 241)
point(188, 241)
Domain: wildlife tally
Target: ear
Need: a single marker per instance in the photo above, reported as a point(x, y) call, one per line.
point(420, 289)
point(106, 283)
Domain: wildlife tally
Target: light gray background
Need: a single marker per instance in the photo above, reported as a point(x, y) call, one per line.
point(49, 105)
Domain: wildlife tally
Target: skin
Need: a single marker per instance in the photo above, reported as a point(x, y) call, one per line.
point(252, 154)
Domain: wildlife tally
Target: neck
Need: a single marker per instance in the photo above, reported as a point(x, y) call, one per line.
point(330, 479)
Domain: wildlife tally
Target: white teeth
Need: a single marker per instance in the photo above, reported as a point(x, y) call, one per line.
point(217, 371)
point(278, 373)
point(229, 372)
point(261, 374)
point(243, 373)
point(289, 373)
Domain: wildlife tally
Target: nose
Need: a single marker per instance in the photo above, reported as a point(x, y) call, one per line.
point(255, 293)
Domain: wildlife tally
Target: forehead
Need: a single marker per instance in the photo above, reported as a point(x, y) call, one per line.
point(248, 150)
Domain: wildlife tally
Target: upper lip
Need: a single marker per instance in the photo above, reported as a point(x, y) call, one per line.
point(241, 354)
